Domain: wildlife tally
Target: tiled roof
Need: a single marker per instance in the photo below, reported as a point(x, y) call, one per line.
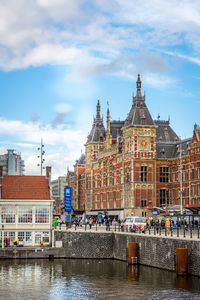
point(164, 132)
point(81, 160)
point(115, 128)
point(25, 187)
point(97, 132)
point(139, 113)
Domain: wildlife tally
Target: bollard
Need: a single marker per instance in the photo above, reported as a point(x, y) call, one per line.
point(85, 226)
point(165, 231)
point(177, 231)
point(96, 226)
point(75, 226)
point(132, 253)
point(160, 230)
point(190, 232)
point(198, 232)
point(115, 227)
point(171, 231)
point(181, 261)
point(154, 230)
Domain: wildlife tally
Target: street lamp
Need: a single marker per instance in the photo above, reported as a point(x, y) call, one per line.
point(2, 237)
point(42, 160)
point(181, 178)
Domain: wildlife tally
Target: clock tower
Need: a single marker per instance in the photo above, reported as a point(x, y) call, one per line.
point(139, 136)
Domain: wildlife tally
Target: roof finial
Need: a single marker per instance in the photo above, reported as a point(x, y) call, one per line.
point(98, 110)
point(138, 86)
point(108, 117)
point(158, 116)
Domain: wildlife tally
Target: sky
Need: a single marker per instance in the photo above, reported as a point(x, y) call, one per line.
point(58, 57)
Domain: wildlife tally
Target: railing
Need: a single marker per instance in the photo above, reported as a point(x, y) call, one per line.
point(178, 232)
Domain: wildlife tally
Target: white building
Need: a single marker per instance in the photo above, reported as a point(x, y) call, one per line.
point(26, 210)
point(57, 187)
point(11, 163)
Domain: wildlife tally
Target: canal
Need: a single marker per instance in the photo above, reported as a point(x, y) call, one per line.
point(91, 279)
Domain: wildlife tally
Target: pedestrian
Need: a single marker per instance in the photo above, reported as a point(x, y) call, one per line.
point(168, 225)
point(90, 222)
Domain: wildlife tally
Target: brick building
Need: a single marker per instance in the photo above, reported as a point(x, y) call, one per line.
point(136, 166)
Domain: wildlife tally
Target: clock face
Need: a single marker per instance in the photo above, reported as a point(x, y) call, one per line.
point(143, 143)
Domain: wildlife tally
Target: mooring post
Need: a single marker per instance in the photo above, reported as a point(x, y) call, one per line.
point(132, 253)
point(181, 261)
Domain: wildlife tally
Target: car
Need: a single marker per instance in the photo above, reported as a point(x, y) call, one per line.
point(135, 223)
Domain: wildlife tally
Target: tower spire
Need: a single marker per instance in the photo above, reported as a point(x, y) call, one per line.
point(98, 109)
point(138, 87)
point(108, 118)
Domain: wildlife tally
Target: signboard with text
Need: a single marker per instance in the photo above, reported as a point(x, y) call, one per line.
point(68, 199)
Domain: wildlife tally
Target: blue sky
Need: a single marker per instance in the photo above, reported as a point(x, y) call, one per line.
point(57, 57)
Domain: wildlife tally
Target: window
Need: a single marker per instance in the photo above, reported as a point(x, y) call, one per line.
point(127, 175)
point(29, 237)
point(164, 174)
point(20, 236)
point(45, 237)
point(121, 198)
point(107, 174)
point(101, 200)
point(114, 175)
point(42, 215)
point(164, 197)
point(114, 199)
point(121, 176)
point(143, 173)
point(143, 203)
point(25, 214)
point(8, 214)
point(95, 199)
point(107, 199)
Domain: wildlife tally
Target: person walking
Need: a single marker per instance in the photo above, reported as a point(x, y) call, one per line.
point(90, 222)
point(168, 224)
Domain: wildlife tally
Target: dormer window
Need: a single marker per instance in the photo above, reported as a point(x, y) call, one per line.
point(162, 151)
point(101, 138)
point(143, 120)
point(160, 139)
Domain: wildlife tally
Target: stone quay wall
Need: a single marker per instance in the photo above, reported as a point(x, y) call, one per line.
point(152, 250)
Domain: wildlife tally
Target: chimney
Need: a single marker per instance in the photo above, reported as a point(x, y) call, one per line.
point(48, 173)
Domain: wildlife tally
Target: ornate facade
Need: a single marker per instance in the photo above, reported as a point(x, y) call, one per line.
point(136, 166)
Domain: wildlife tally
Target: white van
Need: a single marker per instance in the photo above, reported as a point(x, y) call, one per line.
point(135, 223)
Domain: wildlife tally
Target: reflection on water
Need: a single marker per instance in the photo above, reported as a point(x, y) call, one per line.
point(91, 279)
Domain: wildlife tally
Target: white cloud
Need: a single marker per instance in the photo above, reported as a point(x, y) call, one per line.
point(89, 37)
point(62, 145)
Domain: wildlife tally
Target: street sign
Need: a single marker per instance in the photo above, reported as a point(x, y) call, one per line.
point(68, 199)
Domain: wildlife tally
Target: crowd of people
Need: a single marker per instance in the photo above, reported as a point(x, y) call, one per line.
point(161, 222)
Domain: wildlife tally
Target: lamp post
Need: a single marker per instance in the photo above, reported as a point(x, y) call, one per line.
point(42, 160)
point(181, 179)
point(2, 237)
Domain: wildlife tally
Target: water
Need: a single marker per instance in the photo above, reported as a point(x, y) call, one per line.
point(91, 279)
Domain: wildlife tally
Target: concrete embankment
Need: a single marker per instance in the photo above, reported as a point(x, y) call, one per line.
point(152, 251)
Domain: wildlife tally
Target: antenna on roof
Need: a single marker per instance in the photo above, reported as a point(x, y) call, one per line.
point(169, 118)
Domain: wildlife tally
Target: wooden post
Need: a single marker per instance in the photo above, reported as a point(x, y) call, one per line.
point(132, 253)
point(181, 261)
